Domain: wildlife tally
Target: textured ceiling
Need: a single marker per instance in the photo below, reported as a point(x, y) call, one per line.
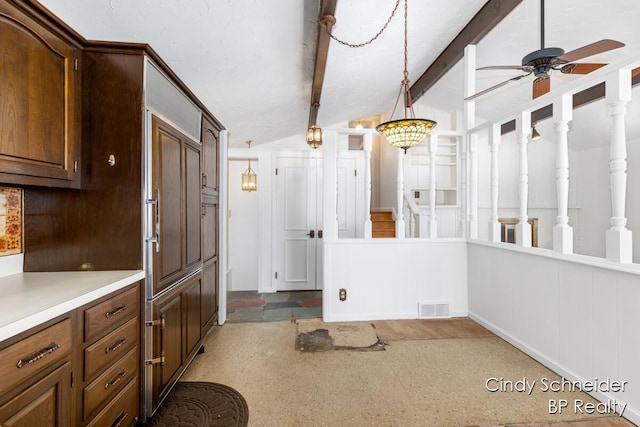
point(251, 61)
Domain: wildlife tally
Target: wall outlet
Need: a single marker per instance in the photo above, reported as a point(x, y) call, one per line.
point(343, 294)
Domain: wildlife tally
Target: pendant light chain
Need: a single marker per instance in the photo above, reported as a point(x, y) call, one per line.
point(408, 102)
point(353, 45)
point(406, 49)
point(408, 131)
point(405, 91)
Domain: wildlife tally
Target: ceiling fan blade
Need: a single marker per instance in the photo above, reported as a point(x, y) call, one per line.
point(580, 68)
point(513, 79)
point(541, 85)
point(525, 68)
point(590, 49)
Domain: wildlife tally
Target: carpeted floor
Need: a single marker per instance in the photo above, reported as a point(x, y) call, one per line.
point(432, 382)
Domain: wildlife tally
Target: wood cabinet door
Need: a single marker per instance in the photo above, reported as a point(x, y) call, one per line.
point(167, 343)
point(167, 189)
point(191, 297)
point(209, 299)
point(40, 103)
point(210, 138)
point(176, 188)
point(209, 231)
point(193, 210)
point(46, 403)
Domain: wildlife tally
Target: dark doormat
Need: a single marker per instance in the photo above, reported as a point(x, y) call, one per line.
point(201, 404)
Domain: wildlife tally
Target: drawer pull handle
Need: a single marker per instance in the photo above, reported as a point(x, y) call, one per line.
point(118, 421)
point(37, 355)
point(118, 310)
point(115, 380)
point(116, 345)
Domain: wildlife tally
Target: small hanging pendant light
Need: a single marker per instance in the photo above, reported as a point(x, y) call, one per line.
point(249, 177)
point(409, 131)
point(314, 136)
point(535, 135)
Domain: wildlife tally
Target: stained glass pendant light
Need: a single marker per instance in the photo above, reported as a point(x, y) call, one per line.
point(408, 131)
point(249, 177)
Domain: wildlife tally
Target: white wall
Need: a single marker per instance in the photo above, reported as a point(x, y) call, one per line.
point(243, 229)
point(575, 314)
point(386, 278)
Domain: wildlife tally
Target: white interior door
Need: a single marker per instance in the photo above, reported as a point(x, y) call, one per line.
point(298, 214)
point(298, 218)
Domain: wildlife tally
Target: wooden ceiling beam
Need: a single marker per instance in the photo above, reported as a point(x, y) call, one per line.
point(326, 20)
point(484, 21)
point(583, 97)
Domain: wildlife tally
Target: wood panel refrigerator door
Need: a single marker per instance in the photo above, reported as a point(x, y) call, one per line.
point(168, 344)
point(193, 207)
point(297, 213)
point(167, 190)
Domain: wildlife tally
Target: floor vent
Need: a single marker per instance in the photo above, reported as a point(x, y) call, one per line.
point(431, 310)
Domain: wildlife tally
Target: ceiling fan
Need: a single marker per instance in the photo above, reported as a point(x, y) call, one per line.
point(541, 62)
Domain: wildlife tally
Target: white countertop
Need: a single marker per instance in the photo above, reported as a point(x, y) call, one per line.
point(29, 299)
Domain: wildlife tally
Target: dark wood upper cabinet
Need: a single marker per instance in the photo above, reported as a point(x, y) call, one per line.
point(210, 140)
point(40, 88)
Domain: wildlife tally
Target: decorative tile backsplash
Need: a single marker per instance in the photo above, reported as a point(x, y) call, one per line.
point(10, 221)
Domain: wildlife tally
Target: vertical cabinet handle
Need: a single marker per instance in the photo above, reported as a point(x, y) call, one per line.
point(156, 203)
point(158, 207)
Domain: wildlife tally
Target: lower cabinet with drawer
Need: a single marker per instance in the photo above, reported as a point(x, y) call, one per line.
point(110, 359)
point(79, 369)
point(36, 377)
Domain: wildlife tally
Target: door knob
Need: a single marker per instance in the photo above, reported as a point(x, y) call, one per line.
point(311, 234)
point(319, 234)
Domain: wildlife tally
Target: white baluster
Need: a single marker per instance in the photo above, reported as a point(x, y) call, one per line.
point(469, 223)
point(618, 237)
point(562, 232)
point(473, 187)
point(367, 146)
point(330, 186)
point(494, 144)
point(433, 221)
point(400, 226)
point(523, 228)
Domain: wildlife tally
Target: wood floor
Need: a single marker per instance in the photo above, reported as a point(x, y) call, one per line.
point(421, 329)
